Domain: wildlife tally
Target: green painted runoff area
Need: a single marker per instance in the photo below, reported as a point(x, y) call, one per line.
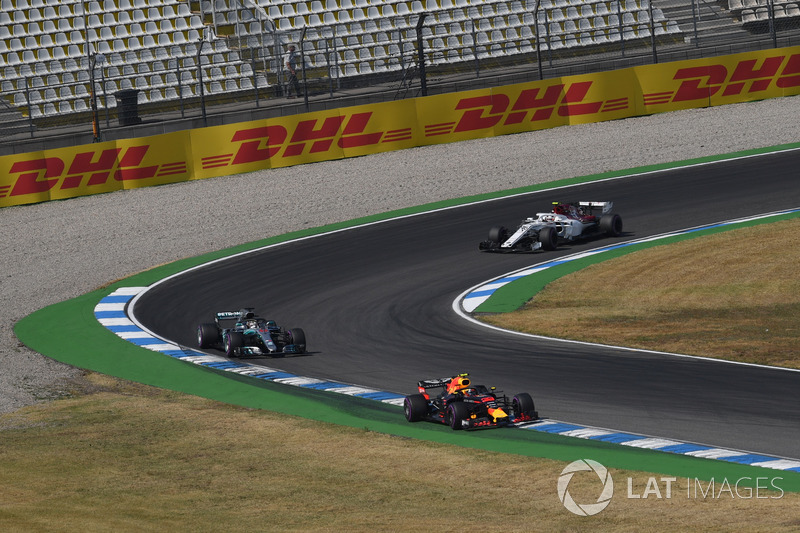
point(76, 338)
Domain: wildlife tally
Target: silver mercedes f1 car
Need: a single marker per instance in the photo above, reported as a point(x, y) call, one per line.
point(243, 333)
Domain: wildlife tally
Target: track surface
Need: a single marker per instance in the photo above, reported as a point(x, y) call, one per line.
point(375, 303)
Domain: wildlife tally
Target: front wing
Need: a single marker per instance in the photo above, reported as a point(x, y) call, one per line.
point(481, 422)
point(253, 351)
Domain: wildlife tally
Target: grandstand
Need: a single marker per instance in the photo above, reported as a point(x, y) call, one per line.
point(753, 13)
point(57, 57)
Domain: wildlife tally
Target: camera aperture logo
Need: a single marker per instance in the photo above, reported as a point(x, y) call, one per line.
point(585, 509)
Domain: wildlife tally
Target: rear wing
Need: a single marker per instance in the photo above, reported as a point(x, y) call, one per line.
point(426, 384)
point(605, 206)
point(242, 314)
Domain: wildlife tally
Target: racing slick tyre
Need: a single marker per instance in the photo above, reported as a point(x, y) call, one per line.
point(498, 234)
point(207, 335)
point(611, 225)
point(297, 337)
point(522, 404)
point(233, 342)
point(456, 412)
point(548, 236)
point(415, 407)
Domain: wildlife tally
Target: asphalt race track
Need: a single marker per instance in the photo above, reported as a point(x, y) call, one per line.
point(375, 303)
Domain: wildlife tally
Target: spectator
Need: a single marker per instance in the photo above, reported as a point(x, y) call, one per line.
point(290, 69)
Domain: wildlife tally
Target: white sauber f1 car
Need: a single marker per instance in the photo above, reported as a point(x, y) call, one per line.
point(566, 222)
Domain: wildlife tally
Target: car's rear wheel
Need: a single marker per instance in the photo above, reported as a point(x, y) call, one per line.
point(415, 407)
point(522, 404)
point(498, 234)
point(207, 335)
point(297, 337)
point(548, 236)
point(233, 342)
point(611, 225)
point(456, 412)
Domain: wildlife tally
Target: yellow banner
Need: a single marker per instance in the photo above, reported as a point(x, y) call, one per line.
point(92, 168)
point(306, 138)
point(719, 80)
point(368, 129)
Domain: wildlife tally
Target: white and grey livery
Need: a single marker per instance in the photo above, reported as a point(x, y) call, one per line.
point(566, 222)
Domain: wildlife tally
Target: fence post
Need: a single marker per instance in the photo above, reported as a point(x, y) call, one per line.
point(303, 65)
point(28, 103)
point(771, 7)
point(621, 27)
point(180, 84)
point(475, 48)
point(93, 96)
point(421, 54)
point(536, 37)
point(330, 68)
point(652, 32)
point(200, 79)
point(255, 78)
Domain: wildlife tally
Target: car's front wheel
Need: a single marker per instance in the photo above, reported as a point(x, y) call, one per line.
point(456, 413)
point(548, 236)
point(233, 341)
point(297, 337)
point(522, 405)
point(498, 234)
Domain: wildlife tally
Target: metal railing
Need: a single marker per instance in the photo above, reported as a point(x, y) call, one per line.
point(426, 50)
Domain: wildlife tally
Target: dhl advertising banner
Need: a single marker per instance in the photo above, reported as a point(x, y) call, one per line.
point(93, 168)
point(528, 106)
point(305, 138)
point(720, 80)
point(362, 130)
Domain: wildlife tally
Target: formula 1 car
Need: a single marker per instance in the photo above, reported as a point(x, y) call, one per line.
point(566, 222)
point(462, 405)
point(242, 333)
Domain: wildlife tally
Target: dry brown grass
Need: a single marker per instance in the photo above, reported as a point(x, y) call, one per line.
point(734, 295)
point(126, 457)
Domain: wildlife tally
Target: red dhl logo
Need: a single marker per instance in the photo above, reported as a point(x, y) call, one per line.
point(564, 100)
point(309, 136)
point(747, 77)
point(92, 168)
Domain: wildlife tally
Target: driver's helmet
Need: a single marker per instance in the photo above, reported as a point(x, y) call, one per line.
point(251, 324)
point(458, 384)
point(271, 324)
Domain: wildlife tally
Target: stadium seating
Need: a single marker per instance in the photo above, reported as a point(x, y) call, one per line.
point(47, 47)
point(756, 12)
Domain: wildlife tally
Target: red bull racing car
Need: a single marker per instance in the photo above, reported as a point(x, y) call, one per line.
point(462, 405)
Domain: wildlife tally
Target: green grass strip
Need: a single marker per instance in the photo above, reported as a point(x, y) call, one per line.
point(517, 293)
point(75, 337)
